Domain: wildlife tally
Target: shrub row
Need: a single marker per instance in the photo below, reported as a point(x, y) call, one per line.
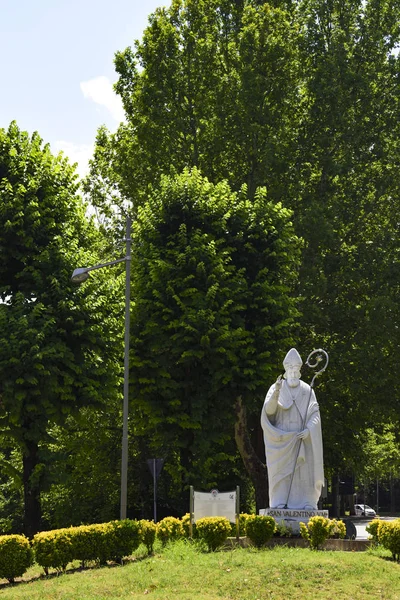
point(215, 530)
point(57, 548)
point(386, 533)
point(259, 529)
point(114, 540)
point(212, 530)
point(99, 543)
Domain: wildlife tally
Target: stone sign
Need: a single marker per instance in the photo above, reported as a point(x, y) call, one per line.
point(214, 504)
point(292, 517)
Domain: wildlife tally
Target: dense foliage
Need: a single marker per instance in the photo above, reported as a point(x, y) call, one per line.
point(212, 278)
point(83, 459)
point(301, 97)
point(54, 354)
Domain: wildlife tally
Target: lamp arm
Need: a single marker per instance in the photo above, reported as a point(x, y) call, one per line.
point(109, 264)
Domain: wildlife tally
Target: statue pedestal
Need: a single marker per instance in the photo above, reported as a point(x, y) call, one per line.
point(291, 517)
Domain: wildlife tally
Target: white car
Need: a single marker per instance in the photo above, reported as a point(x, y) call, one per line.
point(363, 510)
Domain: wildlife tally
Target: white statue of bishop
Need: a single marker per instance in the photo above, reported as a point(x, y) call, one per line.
point(291, 423)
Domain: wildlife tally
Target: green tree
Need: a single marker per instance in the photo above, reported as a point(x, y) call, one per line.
point(213, 85)
point(11, 496)
point(213, 273)
point(347, 187)
point(82, 459)
point(302, 98)
point(57, 349)
point(380, 459)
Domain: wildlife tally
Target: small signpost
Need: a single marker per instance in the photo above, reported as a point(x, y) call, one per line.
point(155, 465)
point(215, 504)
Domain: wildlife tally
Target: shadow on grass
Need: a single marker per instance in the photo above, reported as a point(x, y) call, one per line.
point(92, 567)
point(390, 559)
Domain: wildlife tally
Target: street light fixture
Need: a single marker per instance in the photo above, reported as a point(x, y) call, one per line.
point(79, 276)
point(82, 273)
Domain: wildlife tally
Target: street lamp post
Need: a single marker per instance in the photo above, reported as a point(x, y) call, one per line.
point(79, 276)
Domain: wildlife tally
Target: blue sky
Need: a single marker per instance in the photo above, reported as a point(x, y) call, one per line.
point(57, 66)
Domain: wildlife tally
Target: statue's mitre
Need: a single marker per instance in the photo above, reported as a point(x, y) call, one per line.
point(292, 358)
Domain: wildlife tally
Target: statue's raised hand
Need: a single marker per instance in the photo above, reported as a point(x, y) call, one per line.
point(303, 435)
point(278, 384)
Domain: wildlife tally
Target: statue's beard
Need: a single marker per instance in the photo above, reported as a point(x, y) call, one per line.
point(293, 381)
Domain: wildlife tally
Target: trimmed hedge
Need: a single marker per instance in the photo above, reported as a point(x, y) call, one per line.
point(124, 539)
point(99, 543)
point(319, 529)
point(53, 549)
point(260, 529)
point(213, 530)
point(148, 530)
point(337, 529)
point(242, 524)
point(16, 556)
point(372, 528)
point(169, 530)
point(389, 537)
point(88, 543)
point(186, 526)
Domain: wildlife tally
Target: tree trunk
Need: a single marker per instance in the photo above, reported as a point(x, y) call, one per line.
point(335, 496)
point(350, 499)
point(392, 495)
point(32, 508)
point(342, 511)
point(255, 468)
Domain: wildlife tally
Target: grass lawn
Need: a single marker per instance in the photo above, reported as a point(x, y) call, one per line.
point(182, 572)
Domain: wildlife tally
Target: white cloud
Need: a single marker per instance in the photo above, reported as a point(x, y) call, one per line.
point(100, 90)
point(77, 153)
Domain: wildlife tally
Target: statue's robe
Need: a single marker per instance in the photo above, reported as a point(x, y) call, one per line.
point(285, 453)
